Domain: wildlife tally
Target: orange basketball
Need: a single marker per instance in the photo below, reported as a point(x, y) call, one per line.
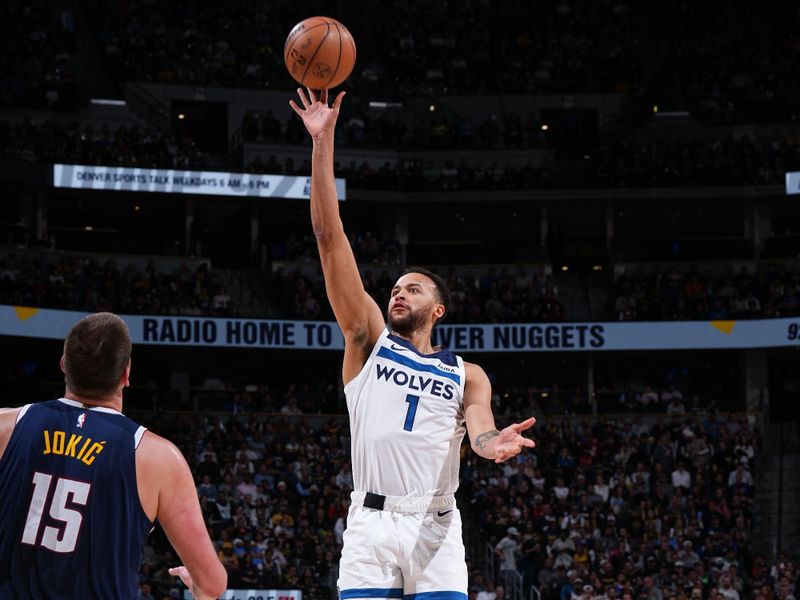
point(319, 53)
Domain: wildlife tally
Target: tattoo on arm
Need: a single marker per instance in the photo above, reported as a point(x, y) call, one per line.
point(484, 438)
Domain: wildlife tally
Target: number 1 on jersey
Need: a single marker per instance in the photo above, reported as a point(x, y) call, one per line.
point(413, 401)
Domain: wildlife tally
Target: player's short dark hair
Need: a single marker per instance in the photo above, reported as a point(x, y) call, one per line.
point(96, 352)
point(442, 291)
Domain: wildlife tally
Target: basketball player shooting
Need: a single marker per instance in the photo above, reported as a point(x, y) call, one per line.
point(409, 404)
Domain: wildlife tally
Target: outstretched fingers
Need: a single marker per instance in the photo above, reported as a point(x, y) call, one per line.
point(311, 95)
point(296, 108)
point(526, 424)
point(303, 98)
point(338, 102)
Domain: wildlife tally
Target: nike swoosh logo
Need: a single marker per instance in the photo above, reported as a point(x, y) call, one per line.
point(400, 348)
point(443, 513)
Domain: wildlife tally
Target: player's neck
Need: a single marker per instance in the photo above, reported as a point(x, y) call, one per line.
point(114, 402)
point(421, 340)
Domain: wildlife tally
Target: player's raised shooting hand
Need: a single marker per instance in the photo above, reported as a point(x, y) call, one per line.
point(317, 116)
point(510, 441)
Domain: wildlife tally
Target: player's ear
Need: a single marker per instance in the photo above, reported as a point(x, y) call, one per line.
point(438, 311)
point(61, 362)
point(126, 376)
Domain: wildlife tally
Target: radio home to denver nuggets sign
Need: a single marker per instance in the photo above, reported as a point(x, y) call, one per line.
point(513, 337)
point(169, 181)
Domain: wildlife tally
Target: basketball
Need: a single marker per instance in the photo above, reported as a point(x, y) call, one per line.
point(319, 53)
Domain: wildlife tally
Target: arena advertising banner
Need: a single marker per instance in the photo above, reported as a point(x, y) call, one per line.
point(793, 182)
point(255, 595)
point(518, 337)
point(169, 181)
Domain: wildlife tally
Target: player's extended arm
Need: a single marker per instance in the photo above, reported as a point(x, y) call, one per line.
point(486, 440)
point(356, 312)
point(178, 510)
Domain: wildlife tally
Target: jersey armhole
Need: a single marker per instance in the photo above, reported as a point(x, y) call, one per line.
point(352, 383)
point(137, 437)
point(21, 413)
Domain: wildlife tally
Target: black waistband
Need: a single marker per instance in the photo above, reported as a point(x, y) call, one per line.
point(375, 501)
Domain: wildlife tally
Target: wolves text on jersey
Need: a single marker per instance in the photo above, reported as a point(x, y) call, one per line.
point(419, 383)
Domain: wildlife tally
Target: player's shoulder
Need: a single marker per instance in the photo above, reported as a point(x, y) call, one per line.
point(158, 453)
point(475, 375)
point(474, 369)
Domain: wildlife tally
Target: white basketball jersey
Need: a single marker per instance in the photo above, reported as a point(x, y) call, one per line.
point(406, 420)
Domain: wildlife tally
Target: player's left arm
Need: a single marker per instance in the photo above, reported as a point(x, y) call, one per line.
point(484, 437)
point(8, 420)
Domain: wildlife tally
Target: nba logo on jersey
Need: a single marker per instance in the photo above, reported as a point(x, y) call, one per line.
point(81, 419)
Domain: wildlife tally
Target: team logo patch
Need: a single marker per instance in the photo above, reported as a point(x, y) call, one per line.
point(81, 420)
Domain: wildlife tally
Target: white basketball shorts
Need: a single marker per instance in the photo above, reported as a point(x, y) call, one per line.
point(400, 552)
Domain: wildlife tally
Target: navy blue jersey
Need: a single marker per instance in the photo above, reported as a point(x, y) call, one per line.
point(71, 522)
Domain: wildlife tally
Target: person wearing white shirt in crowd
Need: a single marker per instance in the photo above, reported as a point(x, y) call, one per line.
point(563, 549)
point(344, 478)
point(538, 481)
point(648, 397)
point(681, 477)
point(506, 549)
point(492, 593)
point(601, 488)
point(560, 490)
point(726, 589)
point(587, 593)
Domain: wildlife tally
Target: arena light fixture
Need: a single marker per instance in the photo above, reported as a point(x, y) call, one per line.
point(107, 102)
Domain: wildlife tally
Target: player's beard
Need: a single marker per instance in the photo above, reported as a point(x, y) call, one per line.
point(405, 325)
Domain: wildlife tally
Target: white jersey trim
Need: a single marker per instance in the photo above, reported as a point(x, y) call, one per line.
point(137, 437)
point(102, 409)
point(22, 412)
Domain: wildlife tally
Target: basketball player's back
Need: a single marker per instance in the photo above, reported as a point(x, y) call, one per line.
point(71, 520)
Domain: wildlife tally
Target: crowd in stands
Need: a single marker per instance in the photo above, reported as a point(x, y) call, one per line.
point(85, 284)
point(616, 508)
point(38, 55)
point(480, 47)
point(772, 290)
point(367, 248)
point(493, 296)
point(662, 163)
point(47, 141)
point(295, 288)
point(637, 506)
point(427, 175)
point(371, 129)
point(657, 163)
point(237, 43)
point(731, 65)
point(612, 164)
